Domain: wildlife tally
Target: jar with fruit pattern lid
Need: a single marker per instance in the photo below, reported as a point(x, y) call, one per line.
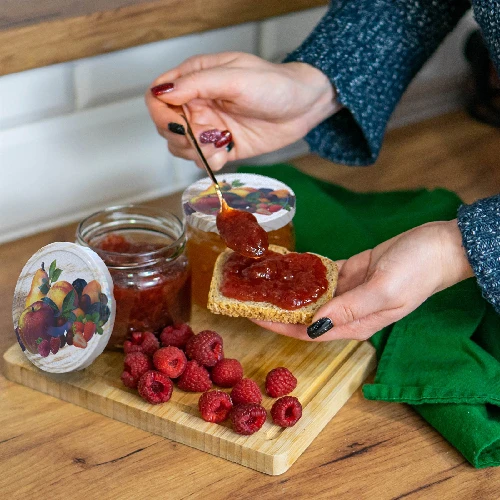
point(143, 249)
point(271, 201)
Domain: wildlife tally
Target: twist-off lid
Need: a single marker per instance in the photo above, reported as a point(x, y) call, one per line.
point(63, 308)
point(271, 201)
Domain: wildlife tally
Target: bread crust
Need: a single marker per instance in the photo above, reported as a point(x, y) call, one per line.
point(219, 304)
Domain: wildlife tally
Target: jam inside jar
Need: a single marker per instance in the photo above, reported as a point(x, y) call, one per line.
point(143, 249)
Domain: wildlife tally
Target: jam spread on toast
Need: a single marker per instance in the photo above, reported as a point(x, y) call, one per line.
point(287, 281)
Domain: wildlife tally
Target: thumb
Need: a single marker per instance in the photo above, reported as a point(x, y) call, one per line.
point(356, 314)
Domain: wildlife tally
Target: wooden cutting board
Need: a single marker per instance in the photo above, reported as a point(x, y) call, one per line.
point(327, 373)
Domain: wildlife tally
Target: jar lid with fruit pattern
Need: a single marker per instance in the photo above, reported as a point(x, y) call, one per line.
point(271, 201)
point(63, 307)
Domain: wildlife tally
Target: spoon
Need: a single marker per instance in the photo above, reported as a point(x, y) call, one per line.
point(239, 229)
point(181, 110)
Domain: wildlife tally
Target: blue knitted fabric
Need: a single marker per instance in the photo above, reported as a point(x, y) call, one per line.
point(370, 50)
point(480, 227)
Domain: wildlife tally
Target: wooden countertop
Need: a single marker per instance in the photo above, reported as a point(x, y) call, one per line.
point(370, 450)
point(36, 33)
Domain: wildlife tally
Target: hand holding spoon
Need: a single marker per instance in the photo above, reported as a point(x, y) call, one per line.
point(239, 230)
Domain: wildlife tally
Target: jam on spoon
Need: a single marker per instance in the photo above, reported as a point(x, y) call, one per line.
point(239, 230)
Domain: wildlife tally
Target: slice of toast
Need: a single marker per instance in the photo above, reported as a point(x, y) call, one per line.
point(219, 304)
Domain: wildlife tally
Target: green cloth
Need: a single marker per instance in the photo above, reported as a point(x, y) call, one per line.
point(443, 358)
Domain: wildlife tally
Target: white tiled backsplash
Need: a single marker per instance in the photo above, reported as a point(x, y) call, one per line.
point(77, 137)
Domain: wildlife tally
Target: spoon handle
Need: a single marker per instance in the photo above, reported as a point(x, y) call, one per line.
point(192, 139)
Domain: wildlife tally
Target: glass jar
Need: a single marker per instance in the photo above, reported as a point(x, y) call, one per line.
point(271, 201)
point(143, 249)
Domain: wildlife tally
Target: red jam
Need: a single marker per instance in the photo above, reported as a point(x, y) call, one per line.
point(288, 281)
point(150, 295)
point(241, 232)
point(118, 244)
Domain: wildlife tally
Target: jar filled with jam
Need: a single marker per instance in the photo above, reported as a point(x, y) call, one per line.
point(143, 249)
point(271, 201)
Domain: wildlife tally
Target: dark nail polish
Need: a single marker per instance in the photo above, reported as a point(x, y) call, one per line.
point(210, 136)
point(230, 147)
point(224, 140)
point(176, 128)
point(163, 88)
point(319, 327)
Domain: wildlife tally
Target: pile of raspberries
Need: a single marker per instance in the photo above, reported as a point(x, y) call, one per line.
point(196, 362)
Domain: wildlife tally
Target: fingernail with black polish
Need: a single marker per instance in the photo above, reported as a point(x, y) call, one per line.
point(163, 88)
point(176, 128)
point(230, 147)
point(319, 327)
point(225, 139)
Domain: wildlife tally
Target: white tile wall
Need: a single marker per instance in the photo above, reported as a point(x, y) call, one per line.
point(184, 172)
point(56, 170)
point(35, 94)
point(76, 137)
point(128, 72)
point(280, 36)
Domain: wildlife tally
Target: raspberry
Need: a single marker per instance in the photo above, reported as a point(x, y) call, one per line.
point(44, 348)
point(55, 343)
point(145, 342)
point(206, 348)
point(215, 406)
point(135, 365)
point(155, 387)
point(176, 335)
point(286, 411)
point(170, 360)
point(195, 378)
point(279, 382)
point(227, 372)
point(246, 391)
point(247, 418)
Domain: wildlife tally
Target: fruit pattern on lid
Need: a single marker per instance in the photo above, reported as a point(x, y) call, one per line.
point(271, 201)
point(63, 308)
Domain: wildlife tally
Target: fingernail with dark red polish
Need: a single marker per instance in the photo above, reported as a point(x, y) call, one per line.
point(224, 140)
point(162, 89)
point(230, 147)
point(319, 327)
point(210, 136)
point(176, 128)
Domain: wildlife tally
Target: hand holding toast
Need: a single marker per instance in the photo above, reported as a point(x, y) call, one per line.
point(380, 286)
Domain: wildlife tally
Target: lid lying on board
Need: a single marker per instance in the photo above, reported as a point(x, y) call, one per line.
point(63, 307)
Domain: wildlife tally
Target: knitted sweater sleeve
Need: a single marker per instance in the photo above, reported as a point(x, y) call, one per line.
point(370, 50)
point(480, 221)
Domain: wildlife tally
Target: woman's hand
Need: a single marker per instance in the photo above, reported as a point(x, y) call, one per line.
point(380, 286)
point(265, 106)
